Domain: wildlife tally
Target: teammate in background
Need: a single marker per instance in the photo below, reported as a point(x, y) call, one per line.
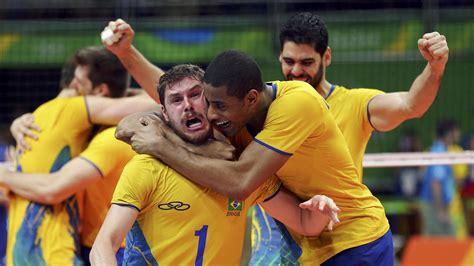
point(48, 233)
point(304, 56)
point(93, 175)
point(164, 211)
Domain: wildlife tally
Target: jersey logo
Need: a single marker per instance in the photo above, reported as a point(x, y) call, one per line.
point(174, 205)
point(234, 207)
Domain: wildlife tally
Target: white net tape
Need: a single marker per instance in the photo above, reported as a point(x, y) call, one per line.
point(400, 159)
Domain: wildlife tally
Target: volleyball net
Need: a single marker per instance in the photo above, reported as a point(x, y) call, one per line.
point(404, 159)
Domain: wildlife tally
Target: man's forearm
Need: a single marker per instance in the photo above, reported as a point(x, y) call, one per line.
point(423, 91)
point(34, 187)
point(313, 222)
point(103, 253)
point(218, 175)
point(143, 71)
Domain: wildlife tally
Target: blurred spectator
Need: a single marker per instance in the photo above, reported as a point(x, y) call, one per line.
point(467, 190)
point(460, 170)
point(409, 176)
point(468, 144)
point(442, 210)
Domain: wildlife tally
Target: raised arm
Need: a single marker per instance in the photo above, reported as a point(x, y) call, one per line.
point(142, 70)
point(51, 188)
point(308, 218)
point(116, 225)
point(387, 111)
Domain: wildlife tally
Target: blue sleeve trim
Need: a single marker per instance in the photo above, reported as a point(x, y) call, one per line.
point(274, 194)
point(274, 87)
point(88, 112)
point(127, 205)
point(331, 90)
point(368, 113)
point(272, 148)
point(93, 164)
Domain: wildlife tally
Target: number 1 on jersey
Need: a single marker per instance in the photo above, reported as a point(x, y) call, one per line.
point(202, 234)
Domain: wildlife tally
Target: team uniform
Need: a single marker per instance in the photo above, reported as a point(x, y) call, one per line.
point(349, 108)
point(180, 222)
point(48, 234)
point(109, 156)
point(300, 125)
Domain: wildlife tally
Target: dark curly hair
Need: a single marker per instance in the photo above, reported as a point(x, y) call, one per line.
point(305, 28)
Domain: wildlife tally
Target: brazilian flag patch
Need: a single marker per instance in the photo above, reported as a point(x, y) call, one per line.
point(234, 207)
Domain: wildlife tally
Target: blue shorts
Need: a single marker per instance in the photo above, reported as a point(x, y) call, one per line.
point(86, 251)
point(378, 252)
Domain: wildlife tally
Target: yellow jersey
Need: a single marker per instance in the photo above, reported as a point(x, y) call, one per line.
point(48, 234)
point(109, 156)
point(300, 125)
point(180, 222)
point(350, 111)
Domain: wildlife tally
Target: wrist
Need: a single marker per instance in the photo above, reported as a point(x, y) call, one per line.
point(126, 54)
point(436, 70)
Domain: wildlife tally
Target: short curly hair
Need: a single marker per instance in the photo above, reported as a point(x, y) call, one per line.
point(236, 71)
point(176, 74)
point(306, 28)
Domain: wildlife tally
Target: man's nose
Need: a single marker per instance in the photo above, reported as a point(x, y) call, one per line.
point(297, 70)
point(211, 113)
point(188, 105)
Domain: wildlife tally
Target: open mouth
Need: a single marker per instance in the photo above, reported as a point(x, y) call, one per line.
point(194, 123)
point(223, 124)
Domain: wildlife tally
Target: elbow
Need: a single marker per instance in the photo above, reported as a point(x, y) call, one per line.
point(419, 114)
point(311, 233)
point(51, 196)
point(415, 113)
point(93, 256)
point(51, 199)
point(241, 192)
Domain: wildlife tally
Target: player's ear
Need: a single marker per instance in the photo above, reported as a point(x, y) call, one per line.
point(327, 57)
point(102, 90)
point(252, 96)
point(165, 114)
